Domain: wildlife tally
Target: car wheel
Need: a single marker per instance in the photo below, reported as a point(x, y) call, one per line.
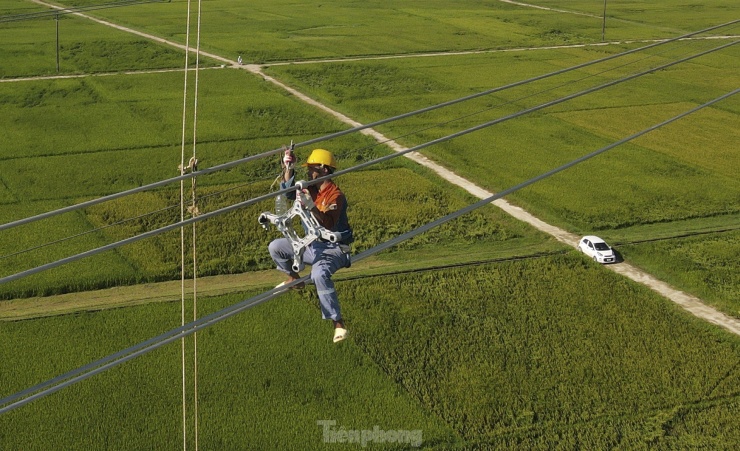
point(596, 260)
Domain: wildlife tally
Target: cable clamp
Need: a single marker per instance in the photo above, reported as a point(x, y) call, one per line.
point(192, 166)
point(193, 210)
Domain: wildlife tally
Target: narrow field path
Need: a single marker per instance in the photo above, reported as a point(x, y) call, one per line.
point(99, 74)
point(690, 303)
point(528, 5)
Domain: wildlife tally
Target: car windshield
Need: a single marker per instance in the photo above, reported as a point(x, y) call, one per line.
point(601, 246)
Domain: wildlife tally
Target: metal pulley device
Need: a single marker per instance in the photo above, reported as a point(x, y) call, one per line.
point(284, 223)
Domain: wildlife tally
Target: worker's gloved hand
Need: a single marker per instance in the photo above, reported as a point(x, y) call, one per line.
point(305, 199)
point(288, 159)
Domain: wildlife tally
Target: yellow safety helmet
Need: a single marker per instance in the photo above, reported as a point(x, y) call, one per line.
point(322, 157)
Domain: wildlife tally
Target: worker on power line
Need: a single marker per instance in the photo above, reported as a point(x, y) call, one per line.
point(328, 205)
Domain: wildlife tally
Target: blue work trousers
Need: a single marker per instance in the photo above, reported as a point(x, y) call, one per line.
point(325, 259)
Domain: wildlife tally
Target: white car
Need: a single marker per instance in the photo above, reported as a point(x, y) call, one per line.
point(596, 248)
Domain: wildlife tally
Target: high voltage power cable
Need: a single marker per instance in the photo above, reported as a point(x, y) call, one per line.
point(237, 162)
point(46, 388)
point(438, 124)
point(345, 171)
point(509, 102)
point(454, 215)
point(87, 232)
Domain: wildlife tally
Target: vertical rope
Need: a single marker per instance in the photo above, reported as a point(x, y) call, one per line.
point(182, 229)
point(194, 212)
point(195, 338)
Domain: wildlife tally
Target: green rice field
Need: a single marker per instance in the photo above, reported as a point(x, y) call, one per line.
point(483, 333)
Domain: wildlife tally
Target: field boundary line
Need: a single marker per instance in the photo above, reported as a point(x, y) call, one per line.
point(690, 303)
point(99, 74)
point(488, 51)
point(579, 13)
point(546, 8)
